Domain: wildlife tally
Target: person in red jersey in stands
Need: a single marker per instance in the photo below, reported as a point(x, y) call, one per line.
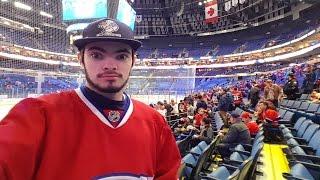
point(252, 125)
point(96, 131)
point(237, 97)
point(198, 118)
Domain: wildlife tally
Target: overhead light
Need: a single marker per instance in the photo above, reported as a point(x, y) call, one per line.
point(4, 0)
point(46, 14)
point(22, 6)
point(200, 3)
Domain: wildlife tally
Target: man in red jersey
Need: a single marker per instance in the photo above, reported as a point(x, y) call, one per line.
point(237, 96)
point(94, 132)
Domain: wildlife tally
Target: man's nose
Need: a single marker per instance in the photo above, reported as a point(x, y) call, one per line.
point(110, 64)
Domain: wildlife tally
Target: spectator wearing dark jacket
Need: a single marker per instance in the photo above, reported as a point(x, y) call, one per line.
point(238, 134)
point(223, 106)
point(254, 96)
point(291, 88)
point(309, 80)
point(206, 132)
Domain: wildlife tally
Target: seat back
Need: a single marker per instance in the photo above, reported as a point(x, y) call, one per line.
point(255, 153)
point(300, 171)
point(304, 106)
point(244, 169)
point(296, 105)
point(290, 103)
point(313, 108)
point(288, 116)
point(235, 156)
point(282, 112)
point(303, 97)
point(196, 150)
point(202, 145)
point(315, 140)
point(284, 103)
point(189, 163)
point(299, 122)
point(200, 163)
point(183, 145)
point(303, 127)
point(310, 132)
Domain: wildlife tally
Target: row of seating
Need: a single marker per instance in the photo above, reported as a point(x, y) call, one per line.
point(197, 160)
point(240, 165)
point(242, 162)
point(301, 108)
point(304, 149)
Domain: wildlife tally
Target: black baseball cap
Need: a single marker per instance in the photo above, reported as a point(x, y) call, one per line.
point(107, 30)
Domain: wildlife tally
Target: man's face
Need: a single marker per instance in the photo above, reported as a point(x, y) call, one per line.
point(107, 66)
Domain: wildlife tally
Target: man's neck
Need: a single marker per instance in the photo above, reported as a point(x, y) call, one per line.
point(112, 96)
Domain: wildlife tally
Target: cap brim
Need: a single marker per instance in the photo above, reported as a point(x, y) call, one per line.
point(80, 43)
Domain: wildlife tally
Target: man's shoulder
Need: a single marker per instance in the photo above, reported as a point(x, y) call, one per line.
point(61, 97)
point(239, 126)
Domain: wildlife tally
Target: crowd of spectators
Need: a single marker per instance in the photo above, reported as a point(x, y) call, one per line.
point(261, 97)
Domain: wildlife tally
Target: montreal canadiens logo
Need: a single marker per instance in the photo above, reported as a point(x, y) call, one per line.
point(114, 116)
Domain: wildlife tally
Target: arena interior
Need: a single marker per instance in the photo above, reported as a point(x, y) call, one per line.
point(200, 60)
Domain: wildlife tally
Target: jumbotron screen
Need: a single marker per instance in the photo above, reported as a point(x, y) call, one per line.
point(126, 13)
point(84, 9)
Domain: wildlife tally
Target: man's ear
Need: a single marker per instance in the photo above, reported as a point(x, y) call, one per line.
point(80, 56)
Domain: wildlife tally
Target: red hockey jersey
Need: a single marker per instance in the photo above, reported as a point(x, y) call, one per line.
point(63, 136)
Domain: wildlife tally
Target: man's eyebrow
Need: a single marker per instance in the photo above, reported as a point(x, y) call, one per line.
point(123, 51)
point(97, 48)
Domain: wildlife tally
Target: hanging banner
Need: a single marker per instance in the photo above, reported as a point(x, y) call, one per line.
point(211, 12)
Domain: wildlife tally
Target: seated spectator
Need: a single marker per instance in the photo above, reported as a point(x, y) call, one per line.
point(238, 134)
point(315, 97)
point(206, 132)
point(198, 118)
point(271, 130)
point(259, 115)
point(272, 116)
point(252, 125)
point(161, 109)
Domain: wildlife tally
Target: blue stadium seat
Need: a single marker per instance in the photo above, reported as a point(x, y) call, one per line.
point(203, 145)
point(230, 172)
point(300, 131)
point(295, 127)
point(310, 131)
point(299, 171)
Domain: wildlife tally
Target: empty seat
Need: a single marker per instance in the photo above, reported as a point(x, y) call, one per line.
point(299, 171)
point(303, 97)
point(230, 172)
point(295, 127)
point(305, 137)
point(300, 131)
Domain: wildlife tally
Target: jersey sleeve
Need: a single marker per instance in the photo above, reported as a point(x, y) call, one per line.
point(168, 156)
point(21, 133)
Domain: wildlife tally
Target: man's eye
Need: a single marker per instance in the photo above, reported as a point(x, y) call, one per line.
point(122, 57)
point(96, 56)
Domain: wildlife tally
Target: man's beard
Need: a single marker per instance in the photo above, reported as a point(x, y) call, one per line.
point(101, 89)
